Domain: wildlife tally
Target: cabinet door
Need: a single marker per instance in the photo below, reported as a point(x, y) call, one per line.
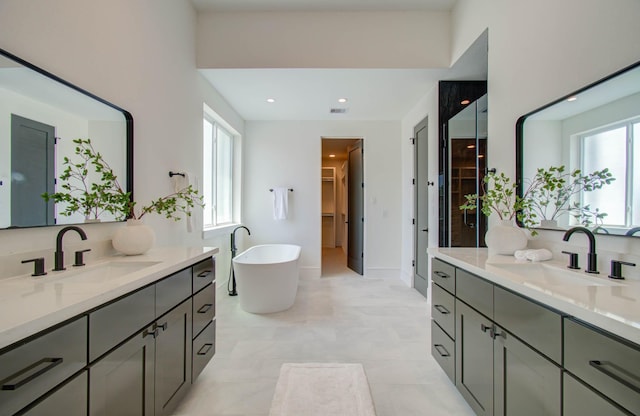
point(579, 400)
point(121, 383)
point(525, 382)
point(474, 359)
point(173, 358)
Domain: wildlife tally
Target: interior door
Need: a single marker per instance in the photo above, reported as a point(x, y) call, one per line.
point(421, 227)
point(32, 172)
point(355, 250)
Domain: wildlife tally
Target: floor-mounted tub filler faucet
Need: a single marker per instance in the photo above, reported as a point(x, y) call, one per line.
point(59, 255)
point(592, 259)
point(234, 249)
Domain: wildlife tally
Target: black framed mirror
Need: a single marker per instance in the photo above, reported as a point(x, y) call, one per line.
point(40, 116)
point(591, 129)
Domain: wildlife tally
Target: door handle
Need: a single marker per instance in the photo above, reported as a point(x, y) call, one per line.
point(472, 225)
point(425, 230)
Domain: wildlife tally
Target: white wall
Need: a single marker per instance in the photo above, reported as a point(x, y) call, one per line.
point(140, 56)
point(324, 40)
point(289, 154)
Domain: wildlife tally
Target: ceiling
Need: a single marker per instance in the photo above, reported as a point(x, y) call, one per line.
point(310, 94)
point(320, 5)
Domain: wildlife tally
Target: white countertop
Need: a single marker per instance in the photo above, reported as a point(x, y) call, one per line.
point(613, 308)
point(31, 304)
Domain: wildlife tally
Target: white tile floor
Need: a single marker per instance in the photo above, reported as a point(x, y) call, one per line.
point(341, 317)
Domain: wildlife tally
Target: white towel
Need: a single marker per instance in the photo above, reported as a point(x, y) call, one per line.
point(280, 203)
point(533, 255)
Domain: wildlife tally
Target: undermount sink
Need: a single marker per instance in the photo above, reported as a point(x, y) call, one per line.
point(100, 272)
point(545, 274)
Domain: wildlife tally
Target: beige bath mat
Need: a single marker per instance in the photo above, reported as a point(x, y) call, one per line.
point(325, 389)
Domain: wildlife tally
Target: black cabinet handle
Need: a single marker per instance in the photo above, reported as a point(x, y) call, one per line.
point(441, 274)
point(162, 326)
point(205, 308)
point(205, 349)
point(441, 350)
point(153, 332)
point(442, 309)
point(602, 367)
point(204, 273)
point(29, 373)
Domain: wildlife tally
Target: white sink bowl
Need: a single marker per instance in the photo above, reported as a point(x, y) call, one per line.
point(98, 273)
point(548, 275)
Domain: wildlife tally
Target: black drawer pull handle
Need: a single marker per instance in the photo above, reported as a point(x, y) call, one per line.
point(440, 348)
point(442, 309)
point(440, 274)
point(162, 326)
point(205, 308)
point(202, 350)
point(52, 362)
point(153, 332)
point(601, 366)
point(204, 273)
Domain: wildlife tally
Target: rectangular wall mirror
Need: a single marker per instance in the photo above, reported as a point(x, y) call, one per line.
point(40, 116)
point(591, 129)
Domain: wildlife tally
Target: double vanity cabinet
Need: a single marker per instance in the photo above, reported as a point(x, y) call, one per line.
point(137, 354)
point(508, 354)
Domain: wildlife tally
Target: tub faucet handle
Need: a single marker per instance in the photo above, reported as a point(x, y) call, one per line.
point(38, 266)
point(573, 260)
point(616, 269)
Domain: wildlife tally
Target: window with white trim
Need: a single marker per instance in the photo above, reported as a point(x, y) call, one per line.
point(218, 166)
point(614, 147)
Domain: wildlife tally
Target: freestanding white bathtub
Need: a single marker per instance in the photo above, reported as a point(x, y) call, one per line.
point(267, 277)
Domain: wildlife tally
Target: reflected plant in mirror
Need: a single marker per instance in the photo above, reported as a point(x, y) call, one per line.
point(555, 191)
point(89, 186)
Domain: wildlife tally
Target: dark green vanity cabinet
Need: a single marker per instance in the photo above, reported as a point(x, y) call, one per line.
point(501, 365)
point(133, 356)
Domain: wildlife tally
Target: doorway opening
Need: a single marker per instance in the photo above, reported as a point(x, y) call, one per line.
point(342, 206)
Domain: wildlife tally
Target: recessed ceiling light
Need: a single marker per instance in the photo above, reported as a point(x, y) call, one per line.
point(342, 100)
point(572, 98)
point(471, 146)
point(332, 155)
point(480, 156)
point(465, 102)
point(271, 100)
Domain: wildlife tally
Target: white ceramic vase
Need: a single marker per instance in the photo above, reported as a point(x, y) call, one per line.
point(505, 238)
point(134, 238)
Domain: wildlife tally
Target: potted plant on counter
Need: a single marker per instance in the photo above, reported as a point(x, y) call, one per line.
point(106, 194)
point(499, 197)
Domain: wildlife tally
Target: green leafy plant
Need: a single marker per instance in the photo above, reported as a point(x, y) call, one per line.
point(554, 191)
point(499, 196)
point(93, 197)
point(84, 194)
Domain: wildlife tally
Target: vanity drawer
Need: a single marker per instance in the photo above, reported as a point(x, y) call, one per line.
point(35, 367)
point(475, 292)
point(444, 275)
point(609, 365)
point(204, 308)
point(69, 400)
point(534, 324)
point(580, 400)
point(172, 290)
point(115, 322)
point(443, 350)
point(204, 273)
point(204, 347)
point(443, 309)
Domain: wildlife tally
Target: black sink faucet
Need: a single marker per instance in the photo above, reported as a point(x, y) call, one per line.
point(59, 255)
point(592, 263)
